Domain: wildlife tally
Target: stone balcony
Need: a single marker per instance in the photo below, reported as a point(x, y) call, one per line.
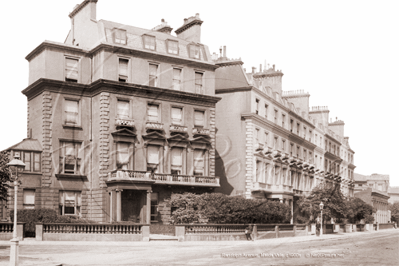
point(270, 188)
point(154, 126)
point(167, 179)
point(201, 131)
point(124, 122)
point(259, 146)
point(178, 129)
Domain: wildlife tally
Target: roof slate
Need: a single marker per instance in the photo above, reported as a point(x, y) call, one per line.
point(27, 145)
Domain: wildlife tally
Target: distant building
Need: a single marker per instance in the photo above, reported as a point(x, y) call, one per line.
point(376, 181)
point(377, 199)
point(393, 193)
point(119, 117)
point(269, 145)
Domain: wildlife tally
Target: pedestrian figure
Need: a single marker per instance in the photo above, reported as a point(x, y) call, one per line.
point(248, 232)
point(318, 227)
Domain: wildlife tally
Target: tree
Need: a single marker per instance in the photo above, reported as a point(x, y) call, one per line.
point(357, 210)
point(394, 208)
point(5, 176)
point(332, 198)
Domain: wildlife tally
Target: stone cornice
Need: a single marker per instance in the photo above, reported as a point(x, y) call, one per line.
point(229, 63)
point(263, 121)
point(154, 56)
point(264, 75)
point(379, 194)
point(188, 25)
point(231, 90)
point(54, 45)
point(129, 89)
point(298, 139)
point(333, 157)
point(124, 50)
point(318, 149)
point(351, 166)
point(333, 139)
point(301, 119)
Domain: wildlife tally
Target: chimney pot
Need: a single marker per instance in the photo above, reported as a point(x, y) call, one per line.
point(274, 67)
point(162, 20)
point(185, 21)
point(260, 68)
point(253, 70)
point(224, 51)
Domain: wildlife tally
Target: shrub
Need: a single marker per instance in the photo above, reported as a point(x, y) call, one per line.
point(35, 216)
point(222, 209)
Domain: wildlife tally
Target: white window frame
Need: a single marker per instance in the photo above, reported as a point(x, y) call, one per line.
point(123, 77)
point(180, 167)
point(199, 88)
point(177, 122)
point(76, 205)
point(63, 159)
point(157, 167)
point(152, 77)
point(30, 204)
point(171, 51)
point(118, 114)
point(148, 45)
point(68, 69)
point(205, 169)
point(78, 115)
point(176, 83)
point(119, 36)
point(158, 118)
point(130, 156)
point(204, 115)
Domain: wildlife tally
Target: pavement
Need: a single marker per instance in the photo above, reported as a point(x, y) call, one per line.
point(33, 242)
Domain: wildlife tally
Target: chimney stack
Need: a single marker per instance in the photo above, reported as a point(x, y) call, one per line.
point(260, 68)
point(253, 70)
point(274, 67)
point(224, 52)
point(191, 29)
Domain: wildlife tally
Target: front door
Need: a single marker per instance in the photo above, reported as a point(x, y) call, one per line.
point(133, 202)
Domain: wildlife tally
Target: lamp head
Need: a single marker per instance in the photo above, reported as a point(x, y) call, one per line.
point(16, 165)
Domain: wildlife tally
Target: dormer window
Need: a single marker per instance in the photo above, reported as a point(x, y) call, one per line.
point(173, 47)
point(119, 36)
point(149, 42)
point(194, 51)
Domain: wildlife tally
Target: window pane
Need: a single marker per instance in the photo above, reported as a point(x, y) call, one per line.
point(69, 198)
point(27, 161)
point(123, 65)
point(153, 154)
point(152, 113)
point(37, 162)
point(199, 118)
point(176, 115)
point(71, 68)
point(71, 111)
point(29, 197)
point(153, 70)
point(123, 109)
point(149, 42)
point(176, 157)
point(122, 155)
point(198, 78)
point(173, 47)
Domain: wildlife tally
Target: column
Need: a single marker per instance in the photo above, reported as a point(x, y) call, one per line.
point(118, 205)
point(292, 211)
point(148, 218)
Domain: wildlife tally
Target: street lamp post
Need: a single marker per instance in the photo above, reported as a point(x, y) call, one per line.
point(321, 225)
point(16, 166)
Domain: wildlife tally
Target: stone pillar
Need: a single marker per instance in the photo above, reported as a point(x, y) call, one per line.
point(292, 211)
point(118, 205)
point(148, 212)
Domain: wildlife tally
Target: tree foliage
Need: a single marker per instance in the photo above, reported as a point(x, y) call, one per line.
point(394, 208)
point(336, 205)
point(4, 174)
point(332, 198)
point(357, 209)
point(222, 209)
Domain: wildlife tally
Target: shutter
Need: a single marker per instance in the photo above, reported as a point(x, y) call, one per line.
point(153, 154)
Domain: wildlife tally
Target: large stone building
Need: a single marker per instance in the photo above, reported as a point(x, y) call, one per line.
point(269, 145)
point(393, 193)
point(119, 117)
point(373, 189)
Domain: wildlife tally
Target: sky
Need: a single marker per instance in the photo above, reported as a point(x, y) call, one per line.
point(344, 53)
